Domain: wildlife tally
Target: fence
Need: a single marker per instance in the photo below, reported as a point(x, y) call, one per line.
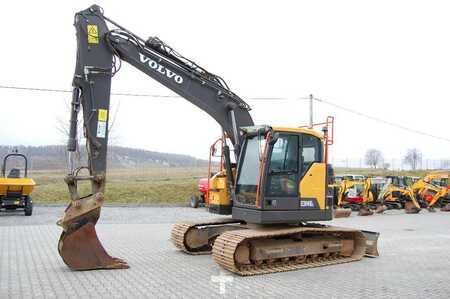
point(393, 164)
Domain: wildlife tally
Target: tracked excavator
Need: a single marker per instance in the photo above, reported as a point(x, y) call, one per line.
point(430, 195)
point(398, 194)
point(276, 185)
point(440, 178)
point(362, 201)
point(412, 195)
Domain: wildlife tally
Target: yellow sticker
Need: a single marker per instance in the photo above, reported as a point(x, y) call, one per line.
point(102, 114)
point(92, 31)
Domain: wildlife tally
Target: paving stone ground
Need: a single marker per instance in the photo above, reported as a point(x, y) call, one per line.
point(414, 260)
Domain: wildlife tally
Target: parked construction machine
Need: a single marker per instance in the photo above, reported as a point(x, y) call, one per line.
point(15, 186)
point(213, 178)
point(413, 194)
point(430, 195)
point(440, 178)
point(398, 194)
point(277, 184)
point(358, 196)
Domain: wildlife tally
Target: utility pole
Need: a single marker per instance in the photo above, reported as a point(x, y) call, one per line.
point(311, 99)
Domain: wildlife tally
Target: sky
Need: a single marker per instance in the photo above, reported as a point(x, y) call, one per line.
point(388, 59)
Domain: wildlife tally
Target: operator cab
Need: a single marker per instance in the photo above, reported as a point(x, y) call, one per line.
point(281, 176)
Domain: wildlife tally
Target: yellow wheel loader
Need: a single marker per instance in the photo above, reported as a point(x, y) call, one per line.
point(15, 186)
point(273, 192)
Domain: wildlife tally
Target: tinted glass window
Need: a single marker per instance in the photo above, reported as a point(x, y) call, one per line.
point(311, 151)
point(439, 182)
point(249, 172)
point(283, 167)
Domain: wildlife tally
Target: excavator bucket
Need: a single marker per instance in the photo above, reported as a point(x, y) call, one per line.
point(371, 243)
point(410, 208)
point(365, 211)
point(380, 209)
point(341, 213)
point(79, 245)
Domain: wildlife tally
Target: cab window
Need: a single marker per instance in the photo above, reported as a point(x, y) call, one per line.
point(283, 167)
point(247, 181)
point(311, 152)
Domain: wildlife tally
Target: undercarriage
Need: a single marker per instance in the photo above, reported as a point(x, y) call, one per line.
point(248, 249)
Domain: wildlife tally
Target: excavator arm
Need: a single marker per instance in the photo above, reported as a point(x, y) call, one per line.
point(422, 188)
point(100, 51)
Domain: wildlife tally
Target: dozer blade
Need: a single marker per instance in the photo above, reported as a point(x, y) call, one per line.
point(341, 213)
point(79, 245)
point(371, 243)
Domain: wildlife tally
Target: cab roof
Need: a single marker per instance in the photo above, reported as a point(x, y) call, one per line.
point(299, 130)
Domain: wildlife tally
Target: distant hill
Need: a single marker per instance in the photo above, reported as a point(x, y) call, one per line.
point(52, 157)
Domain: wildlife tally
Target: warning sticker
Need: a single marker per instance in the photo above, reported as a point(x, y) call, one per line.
point(92, 31)
point(101, 129)
point(102, 114)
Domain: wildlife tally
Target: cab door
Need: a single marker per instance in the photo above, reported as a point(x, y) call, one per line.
point(313, 182)
point(282, 174)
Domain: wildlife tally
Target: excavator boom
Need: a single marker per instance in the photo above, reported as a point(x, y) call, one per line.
point(99, 54)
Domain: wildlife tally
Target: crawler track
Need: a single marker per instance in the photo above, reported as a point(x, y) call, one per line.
point(225, 249)
point(180, 231)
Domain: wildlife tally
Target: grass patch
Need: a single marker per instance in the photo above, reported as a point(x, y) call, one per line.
point(156, 185)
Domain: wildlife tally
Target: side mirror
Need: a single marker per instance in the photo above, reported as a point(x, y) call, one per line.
point(274, 138)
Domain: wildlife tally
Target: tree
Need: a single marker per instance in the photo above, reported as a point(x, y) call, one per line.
point(412, 157)
point(374, 157)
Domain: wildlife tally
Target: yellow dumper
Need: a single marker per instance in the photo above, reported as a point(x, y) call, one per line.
point(15, 187)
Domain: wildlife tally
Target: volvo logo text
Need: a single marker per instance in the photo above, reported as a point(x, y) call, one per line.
point(160, 69)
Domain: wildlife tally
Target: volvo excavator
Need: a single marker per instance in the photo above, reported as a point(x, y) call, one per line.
point(276, 185)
